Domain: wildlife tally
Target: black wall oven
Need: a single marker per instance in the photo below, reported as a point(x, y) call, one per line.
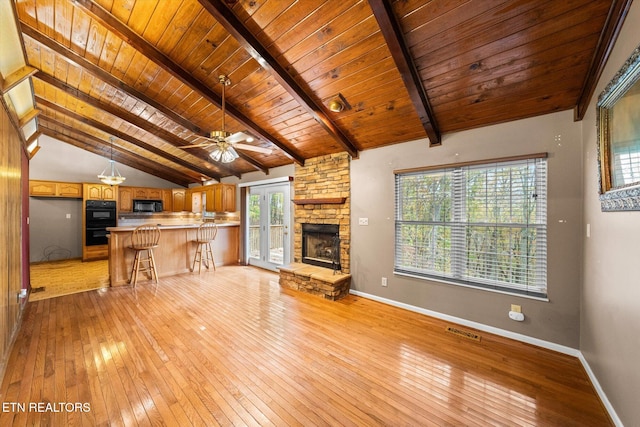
point(100, 214)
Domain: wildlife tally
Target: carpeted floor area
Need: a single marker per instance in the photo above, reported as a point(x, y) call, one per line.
point(65, 277)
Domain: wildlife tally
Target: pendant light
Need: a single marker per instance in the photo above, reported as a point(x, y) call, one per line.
point(114, 178)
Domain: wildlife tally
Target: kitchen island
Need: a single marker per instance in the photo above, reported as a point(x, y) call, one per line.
point(175, 251)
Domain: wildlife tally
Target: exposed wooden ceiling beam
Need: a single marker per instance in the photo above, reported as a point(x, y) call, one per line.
point(77, 60)
point(128, 138)
point(392, 33)
point(97, 146)
point(130, 37)
point(615, 19)
point(253, 162)
point(33, 137)
point(251, 44)
point(109, 79)
point(32, 114)
point(132, 119)
point(15, 78)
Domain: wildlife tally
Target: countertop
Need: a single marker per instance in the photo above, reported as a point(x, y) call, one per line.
point(173, 226)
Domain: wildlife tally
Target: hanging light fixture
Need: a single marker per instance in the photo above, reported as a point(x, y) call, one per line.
point(114, 178)
point(223, 151)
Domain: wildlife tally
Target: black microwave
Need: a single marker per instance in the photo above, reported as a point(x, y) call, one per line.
point(147, 205)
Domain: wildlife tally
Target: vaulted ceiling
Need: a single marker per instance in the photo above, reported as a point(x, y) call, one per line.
point(145, 74)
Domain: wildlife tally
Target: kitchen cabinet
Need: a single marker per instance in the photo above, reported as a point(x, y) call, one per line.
point(224, 198)
point(228, 202)
point(140, 193)
point(70, 190)
point(154, 193)
point(167, 200)
point(95, 253)
point(179, 198)
point(128, 194)
point(220, 197)
point(100, 192)
point(125, 199)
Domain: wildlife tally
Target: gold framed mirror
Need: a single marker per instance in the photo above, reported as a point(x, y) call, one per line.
point(618, 121)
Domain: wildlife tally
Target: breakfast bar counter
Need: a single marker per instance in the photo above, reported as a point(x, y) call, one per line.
point(175, 251)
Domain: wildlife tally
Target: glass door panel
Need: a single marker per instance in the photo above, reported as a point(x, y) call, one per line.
point(269, 219)
point(254, 226)
point(276, 227)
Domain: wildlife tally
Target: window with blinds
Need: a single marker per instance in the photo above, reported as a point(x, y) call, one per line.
point(481, 225)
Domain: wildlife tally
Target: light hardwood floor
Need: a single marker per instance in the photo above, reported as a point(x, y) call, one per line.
point(65, 277)
point(232, 348)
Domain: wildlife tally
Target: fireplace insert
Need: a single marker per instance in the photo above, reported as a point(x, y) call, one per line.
point(321, 245)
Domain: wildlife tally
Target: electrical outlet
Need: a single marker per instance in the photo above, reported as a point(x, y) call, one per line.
point(384, 281)
point(68, 216)
point(363, 221)
point(516, 308)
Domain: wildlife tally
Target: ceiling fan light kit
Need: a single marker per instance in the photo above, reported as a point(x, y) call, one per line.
point(224, 152)
point(225, 143)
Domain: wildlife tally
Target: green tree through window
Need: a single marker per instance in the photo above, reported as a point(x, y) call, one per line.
point(480, 225)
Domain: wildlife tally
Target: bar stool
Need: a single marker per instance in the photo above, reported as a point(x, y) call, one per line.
point(206, 234)
point(143, 240)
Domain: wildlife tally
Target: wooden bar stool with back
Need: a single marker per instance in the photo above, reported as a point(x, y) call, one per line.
point(206, 234)
point(143, 240)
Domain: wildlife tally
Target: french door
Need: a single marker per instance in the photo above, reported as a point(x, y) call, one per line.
point(269, 219)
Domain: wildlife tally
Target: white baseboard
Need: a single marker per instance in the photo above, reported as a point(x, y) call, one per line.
point(507, 334)
point(481, 327)
point(600, 391)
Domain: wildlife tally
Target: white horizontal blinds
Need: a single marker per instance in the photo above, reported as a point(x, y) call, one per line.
point(423, 228)
point(492, 233)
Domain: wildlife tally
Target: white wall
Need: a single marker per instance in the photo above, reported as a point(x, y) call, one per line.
point(610, 321)
point(372, 246)
point(59, 161)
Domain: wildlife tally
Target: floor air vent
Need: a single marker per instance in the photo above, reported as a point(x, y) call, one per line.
point(40, 289)
point(464, 334)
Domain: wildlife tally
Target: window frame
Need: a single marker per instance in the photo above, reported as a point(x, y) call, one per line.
point(461, 226)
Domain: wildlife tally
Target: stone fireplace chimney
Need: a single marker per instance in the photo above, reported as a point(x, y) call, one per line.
point(322, 196)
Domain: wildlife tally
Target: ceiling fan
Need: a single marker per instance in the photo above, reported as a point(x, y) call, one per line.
point(225, 143)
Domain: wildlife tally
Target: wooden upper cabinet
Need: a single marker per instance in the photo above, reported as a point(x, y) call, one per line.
point(188, 199)
point(167, 200)
point(221, 198)
point(228, 197)
point(125, 198)
point(100, 192)
point(140, 192)
point(71, 190)
point(154, 193)
point(179, 197)
point(109, 192)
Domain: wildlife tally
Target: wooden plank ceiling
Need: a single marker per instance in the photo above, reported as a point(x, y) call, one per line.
point(146, 72)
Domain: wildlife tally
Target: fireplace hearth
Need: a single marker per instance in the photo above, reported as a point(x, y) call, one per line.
point(321, 245)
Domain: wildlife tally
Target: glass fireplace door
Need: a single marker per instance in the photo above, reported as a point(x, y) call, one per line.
point(269, 212)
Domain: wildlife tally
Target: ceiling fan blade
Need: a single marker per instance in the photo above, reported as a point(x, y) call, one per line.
point(202, 144)
point(236, 137)
point(257, 149)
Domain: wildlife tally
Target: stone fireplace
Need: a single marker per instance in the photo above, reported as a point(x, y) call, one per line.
point(322, 202)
